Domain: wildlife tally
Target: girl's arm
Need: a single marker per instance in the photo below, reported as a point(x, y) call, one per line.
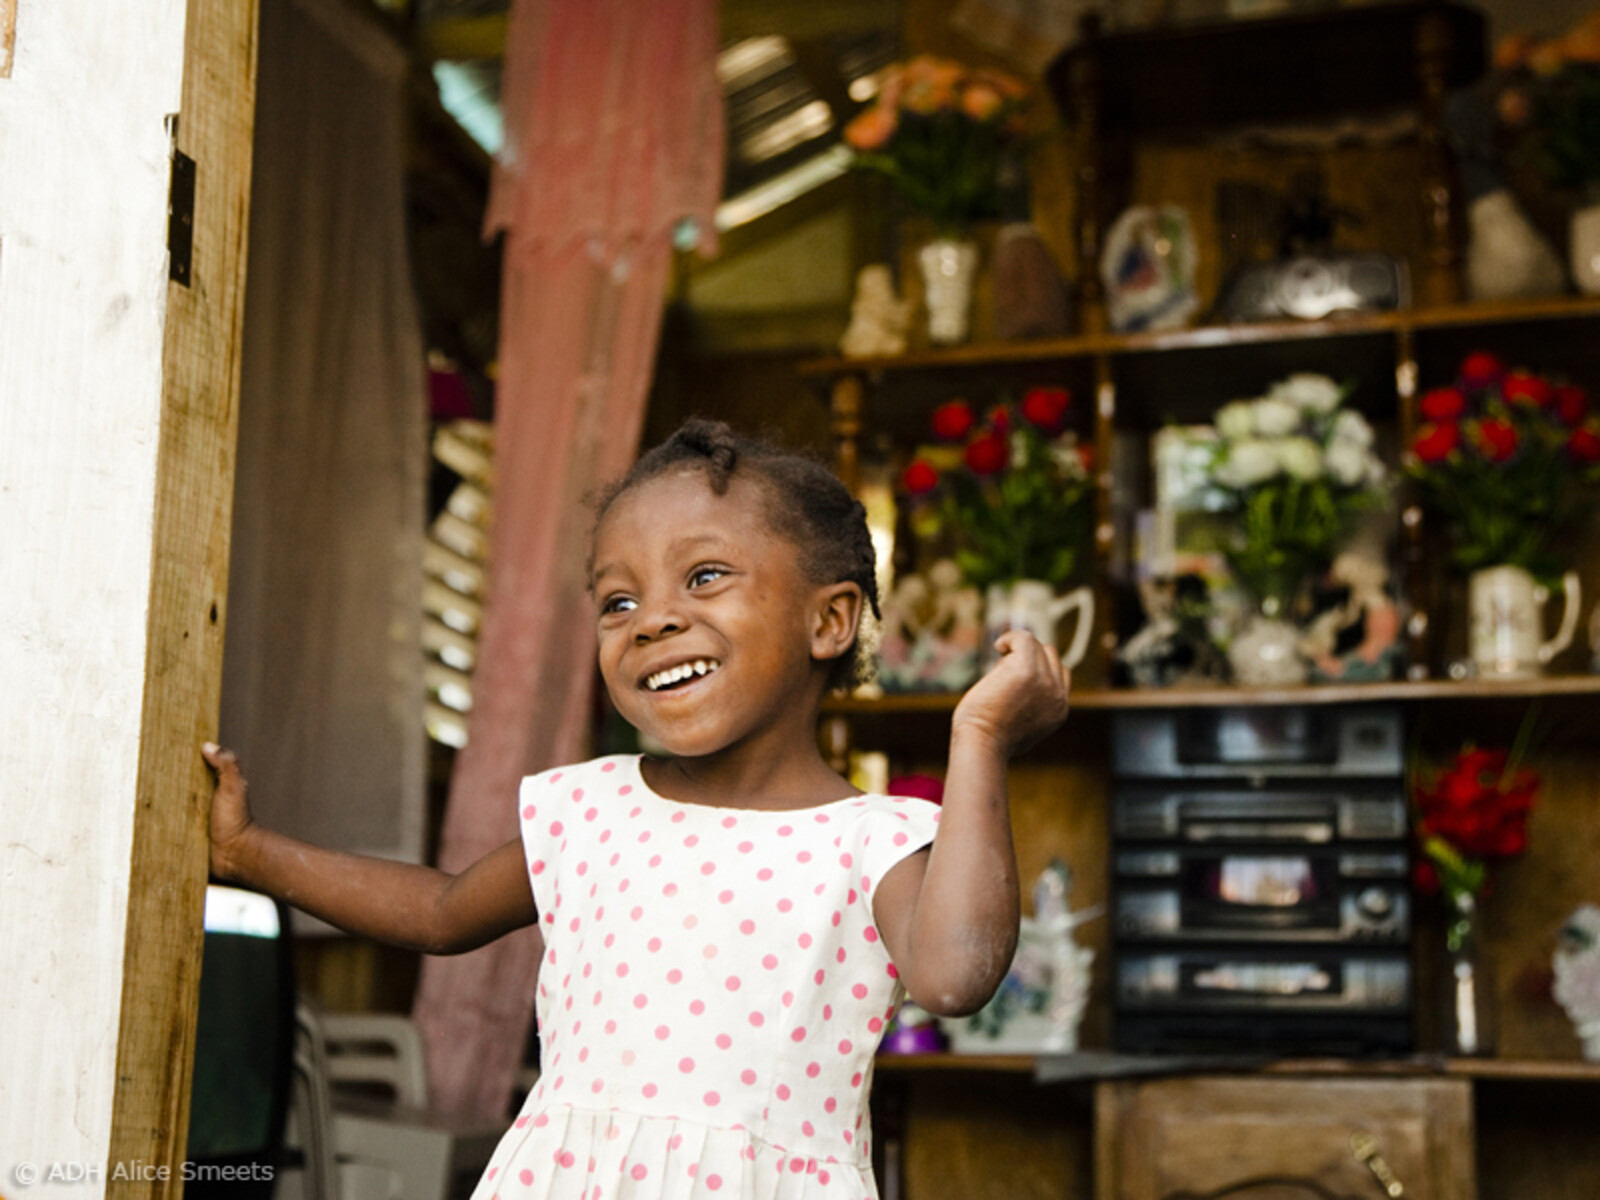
point(949, 915)
point(414, 907)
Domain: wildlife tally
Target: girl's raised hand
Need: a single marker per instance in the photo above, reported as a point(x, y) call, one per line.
point(230, 811)
point(1022, 698)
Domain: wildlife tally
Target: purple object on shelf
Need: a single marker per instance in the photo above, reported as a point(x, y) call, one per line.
point(927, 1038)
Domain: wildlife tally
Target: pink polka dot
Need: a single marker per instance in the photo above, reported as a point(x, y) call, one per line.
point(537, 866)
point(637, 912)
point(724, 1041)
point(529, 812)
point(805, 941)
point(732, 983)
point(622, 970)
point(653, 945)
point(746, 847)
point(644, 837)
point(813, 1070)
point(788, 999)
point(764, 874)
point(893, 974)
point(837, 917)
point(819, 977)
point(624, 790)
point(747, 1076)
point(649, 1090)
point(797, 1165)
point(785, 904)
point(697, 1007)
point(855, 1080)
point(662, 1033)
point(708, 868)
point(827, 1012)
point(807, 1128)
point(590, 814)
point(829, 1104)
point(577, 793)
point(674, 976)
point(555, 828)
point(596, 1086)
point(785, 830)
point(783, 1091)
point(874, 1025)
point(640, 1000)
point(655, 860)
point(713, 1182)
point(670, 890)
point(804, 856)
point(846, 861)
point(677, 818)
point(799, 1034)
point(608, 766)
point(900, 839)
point(566, 1158)
point(747, 926)
point(839, 956)
point(525, 1177)
point(686, 1065)
point(845, 1046)
point(757, 1020)
point(692, 840)
point(709, 952)
point(859, 991)
point(556, 776)
point(691, 921)
point(712, 1099)
point(725, 896)
point(639, 1171)
point(674, 1141)
point(870, 934)
point(822, 1178)
point(611, 1026)
point(770, 962)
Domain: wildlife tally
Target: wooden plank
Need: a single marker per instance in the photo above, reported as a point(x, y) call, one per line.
point(189, 567)
point(84, 167)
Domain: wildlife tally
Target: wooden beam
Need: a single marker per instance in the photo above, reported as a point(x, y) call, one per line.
point(188, 585)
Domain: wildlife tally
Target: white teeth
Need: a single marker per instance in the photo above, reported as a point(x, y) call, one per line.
point(661, 679)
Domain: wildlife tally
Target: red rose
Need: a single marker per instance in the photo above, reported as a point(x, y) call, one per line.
point(1571, 403)
point(988, 454)
point(1496, 439)
point(1046, 407)
point(953, 421)
point(1584, 444)
point(1480, 369)
point(1524, 387)
point(1435, 443)
point(1443, 404)
point(920, 478)
point(1000, 420)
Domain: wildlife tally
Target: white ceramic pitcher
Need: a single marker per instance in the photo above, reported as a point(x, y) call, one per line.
point(1033, 605)
point(1506, 622)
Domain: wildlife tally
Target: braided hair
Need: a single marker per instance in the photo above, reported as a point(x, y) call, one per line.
point(806, 503)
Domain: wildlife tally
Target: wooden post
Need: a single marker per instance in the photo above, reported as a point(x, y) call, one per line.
point(118, 404)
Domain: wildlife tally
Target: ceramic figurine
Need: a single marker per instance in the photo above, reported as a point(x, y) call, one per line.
point(1577, 975)
point(1359, 639)
point(932, 632)
point(1148, 269)
point(879, 319)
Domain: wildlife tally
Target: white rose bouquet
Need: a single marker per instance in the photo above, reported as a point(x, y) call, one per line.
point(1296, 468)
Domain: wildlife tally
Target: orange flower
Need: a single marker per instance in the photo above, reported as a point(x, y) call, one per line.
point(871, 129)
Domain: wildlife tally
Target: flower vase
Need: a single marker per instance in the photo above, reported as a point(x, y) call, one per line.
point(1266, 652)
point(1583, 243)
point(1467, 1025)
point(1505, 608)
point(1033, 605)
point(949, 266)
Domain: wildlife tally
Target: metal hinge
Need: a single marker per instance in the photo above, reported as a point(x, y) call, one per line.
point(180, 211)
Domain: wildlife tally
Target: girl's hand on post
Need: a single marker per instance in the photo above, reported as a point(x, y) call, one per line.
point(1022, 698)
point(231, 821)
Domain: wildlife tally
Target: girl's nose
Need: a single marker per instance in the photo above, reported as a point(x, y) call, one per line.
point(656, 621)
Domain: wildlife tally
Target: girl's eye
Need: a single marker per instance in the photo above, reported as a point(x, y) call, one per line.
point(701, 576)
point(618, 604)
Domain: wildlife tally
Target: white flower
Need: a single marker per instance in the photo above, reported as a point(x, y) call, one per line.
point(1349, 463)
point(1350, 426)
point(1248, 463)
point(1308, 392)
point(1300, 457)
point(1019, 449)
point(1275, 418)
point(1236, 419)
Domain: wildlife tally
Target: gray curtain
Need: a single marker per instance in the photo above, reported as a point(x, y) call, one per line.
point(322, 687)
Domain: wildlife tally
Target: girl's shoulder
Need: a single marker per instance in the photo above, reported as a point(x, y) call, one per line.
point(610, 769)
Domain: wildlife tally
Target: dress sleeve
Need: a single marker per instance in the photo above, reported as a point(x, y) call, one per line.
point(893, 828)
point(536, 810)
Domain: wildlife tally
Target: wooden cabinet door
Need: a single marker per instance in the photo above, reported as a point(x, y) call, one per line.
point(1198, 1138)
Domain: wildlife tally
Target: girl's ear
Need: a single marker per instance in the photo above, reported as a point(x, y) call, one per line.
point(836, 620)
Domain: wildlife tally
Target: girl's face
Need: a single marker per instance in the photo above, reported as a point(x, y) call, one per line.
point(710, 634)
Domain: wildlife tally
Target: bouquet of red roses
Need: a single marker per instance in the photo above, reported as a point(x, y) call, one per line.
point(1471, 813)
point(1509, 459)
point(1012, 491)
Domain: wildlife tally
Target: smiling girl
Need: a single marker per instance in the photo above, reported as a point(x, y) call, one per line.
point(728, 927)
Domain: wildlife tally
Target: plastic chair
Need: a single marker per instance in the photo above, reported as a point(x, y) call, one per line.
point(380, 1113)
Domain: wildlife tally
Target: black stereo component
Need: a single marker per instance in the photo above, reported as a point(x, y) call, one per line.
point(1260, 865)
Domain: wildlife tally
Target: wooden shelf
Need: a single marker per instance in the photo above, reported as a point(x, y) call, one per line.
point(999, 354)
point(1101, 1065)
point(1224, 697)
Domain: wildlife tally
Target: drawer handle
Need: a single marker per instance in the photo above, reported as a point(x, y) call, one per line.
point(1365, 1147)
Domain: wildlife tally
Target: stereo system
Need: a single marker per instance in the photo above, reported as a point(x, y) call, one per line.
point(1260, 867)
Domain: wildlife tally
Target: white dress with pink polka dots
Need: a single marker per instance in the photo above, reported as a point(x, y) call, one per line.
point(712, 993)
